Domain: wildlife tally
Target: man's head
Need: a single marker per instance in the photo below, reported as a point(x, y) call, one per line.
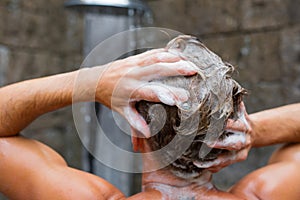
point(214, 98)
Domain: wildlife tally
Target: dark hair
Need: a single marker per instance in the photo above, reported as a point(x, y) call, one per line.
point(214, 97)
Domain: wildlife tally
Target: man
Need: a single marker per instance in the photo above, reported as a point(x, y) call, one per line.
point(187, 175)
point(31, 170)
point(180, 149)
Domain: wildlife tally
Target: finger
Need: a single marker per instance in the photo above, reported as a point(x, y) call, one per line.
point(134, 139)
point(243, 116)
point(151, 57)
point(242, 154)
point(236, 125)
point(227, 159)
point(215, 169)
point(157, 92)
point(242, 107)
point(233, 141)
point(223, 160)
point(136, 121)
point(215, 163)
point(149, 53)
point(157, 57)
point(163, 69)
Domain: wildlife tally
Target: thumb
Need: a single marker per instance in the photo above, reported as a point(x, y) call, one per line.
point(136, 121)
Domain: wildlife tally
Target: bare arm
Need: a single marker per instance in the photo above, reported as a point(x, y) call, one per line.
point(23, 102)
point(273, 126)
point(278, 125)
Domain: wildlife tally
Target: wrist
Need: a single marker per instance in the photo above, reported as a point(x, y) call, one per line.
point(254, 132)
point(85, 85)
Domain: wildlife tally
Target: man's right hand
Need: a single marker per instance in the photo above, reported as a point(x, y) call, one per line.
point(123, 82)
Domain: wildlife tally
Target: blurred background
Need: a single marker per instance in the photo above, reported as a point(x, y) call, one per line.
point(260, 37)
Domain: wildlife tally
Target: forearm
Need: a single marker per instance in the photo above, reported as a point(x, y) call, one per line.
point(23, 102)
point(278, 125)
point(116, 85)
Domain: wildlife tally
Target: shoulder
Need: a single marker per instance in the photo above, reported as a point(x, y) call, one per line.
point(70, 184)
point(38, 172)
point(275, 181)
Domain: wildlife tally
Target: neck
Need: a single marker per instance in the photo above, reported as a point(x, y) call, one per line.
point(170, 186)
point(167, 183)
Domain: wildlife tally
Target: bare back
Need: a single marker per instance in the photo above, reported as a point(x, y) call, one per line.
point(32, 170)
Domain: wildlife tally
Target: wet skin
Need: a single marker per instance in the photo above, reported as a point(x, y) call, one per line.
point(32, 170)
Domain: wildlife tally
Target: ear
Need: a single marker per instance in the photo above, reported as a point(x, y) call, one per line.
point(136, 140)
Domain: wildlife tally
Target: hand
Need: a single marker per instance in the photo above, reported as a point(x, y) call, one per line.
point(238, 142)
point(127, 81)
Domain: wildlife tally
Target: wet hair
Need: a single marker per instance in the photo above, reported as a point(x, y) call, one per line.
point(214, 98)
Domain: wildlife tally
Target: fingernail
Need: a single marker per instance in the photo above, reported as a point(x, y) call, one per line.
point(184, 105)
point(189, 66)
point(182, 96)
point(166, 99)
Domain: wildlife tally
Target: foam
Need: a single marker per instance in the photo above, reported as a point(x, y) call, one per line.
point(234, 139)
point(216, 162)
point(184, 192)
point(242, 117)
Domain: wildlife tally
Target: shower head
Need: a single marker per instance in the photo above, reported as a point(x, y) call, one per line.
point(129, 4)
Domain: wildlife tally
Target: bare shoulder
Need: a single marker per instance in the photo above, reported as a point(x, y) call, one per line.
point(32, 170)
point(278, 180)
point(275, 181)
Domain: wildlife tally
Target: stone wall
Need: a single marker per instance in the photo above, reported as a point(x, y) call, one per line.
point(39, 38)
point(260, 37)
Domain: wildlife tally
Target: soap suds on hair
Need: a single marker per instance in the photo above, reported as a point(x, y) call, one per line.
point(214, 97)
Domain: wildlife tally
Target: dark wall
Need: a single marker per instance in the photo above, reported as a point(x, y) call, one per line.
point(260, 37)
point(39, 38)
